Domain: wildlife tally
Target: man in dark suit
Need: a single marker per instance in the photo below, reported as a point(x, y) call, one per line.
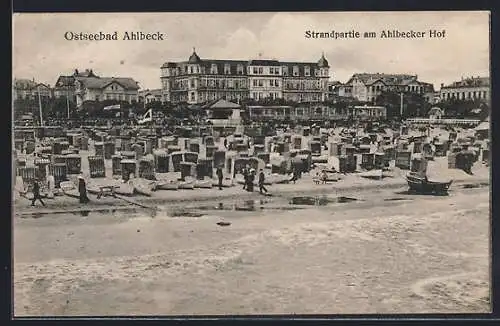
point(36, 193)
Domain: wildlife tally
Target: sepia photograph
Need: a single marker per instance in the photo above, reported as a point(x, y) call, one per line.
point(251, 163)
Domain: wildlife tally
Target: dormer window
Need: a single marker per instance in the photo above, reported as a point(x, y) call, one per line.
point(240, 69)
point(295, 70)
point(227, 69)
point(307, 71)
point(285, 71)
point(213, 69)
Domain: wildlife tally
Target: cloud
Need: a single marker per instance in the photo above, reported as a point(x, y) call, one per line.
point(40, 50)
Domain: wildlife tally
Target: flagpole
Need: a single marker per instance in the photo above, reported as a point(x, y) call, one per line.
point(401, 106)
point(67, 103)
point(40, 105)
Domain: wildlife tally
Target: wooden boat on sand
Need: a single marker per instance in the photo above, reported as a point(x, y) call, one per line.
point(422, 185)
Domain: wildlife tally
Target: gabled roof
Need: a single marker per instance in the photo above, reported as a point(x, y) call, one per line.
point(100, 83)
point(388, 79)
point(223, 104)
point(65, 81)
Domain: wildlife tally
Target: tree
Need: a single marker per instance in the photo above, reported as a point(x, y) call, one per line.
point(414, 104)
point(464, 108)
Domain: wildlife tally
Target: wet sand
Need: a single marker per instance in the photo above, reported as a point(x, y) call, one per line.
point(429, 255)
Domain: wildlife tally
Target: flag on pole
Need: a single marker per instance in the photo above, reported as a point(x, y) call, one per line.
point(112, 107)
point(147, 117)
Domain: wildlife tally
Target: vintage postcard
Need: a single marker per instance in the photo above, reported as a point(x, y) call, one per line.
point(251, 163)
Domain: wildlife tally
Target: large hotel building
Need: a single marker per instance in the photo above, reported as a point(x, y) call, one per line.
point(200, 80)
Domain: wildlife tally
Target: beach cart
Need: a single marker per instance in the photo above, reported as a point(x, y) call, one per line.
point(194, 147)
point(128, 167)
point(99, 149)
point(59, 171)
point(146, 167)
point(109, 150)
point(219, 158)
point(138, 149)
point(205, 168)
point(190, 157)
point(209, 141)
point(97, 167)
point(188, 169)
point(403, 160)
point(73, 163)
point(210, 150)
point(116, 167)
point(161, 161)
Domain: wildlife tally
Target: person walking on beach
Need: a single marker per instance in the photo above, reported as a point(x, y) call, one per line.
point(295, 175)
point(245, 177)
point(251, 179)
point(82, 188)
point(261, 182)
point(36, 193)
point(219, 176)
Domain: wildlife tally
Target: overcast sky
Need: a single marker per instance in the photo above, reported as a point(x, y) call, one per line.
point(40, 50)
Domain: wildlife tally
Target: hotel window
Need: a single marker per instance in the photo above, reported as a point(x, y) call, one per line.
point(255, 70)
point(316, 73)
point(261, 82)
point(227, 69)
point(307, 71)
point(255, 82)
point(271, 70)
point(213, 69)
point(240, 69)
point(285, 71)
point(192, 96)
point(192, 82)
point(261, 70)
point(191, 70)
point(295, 70)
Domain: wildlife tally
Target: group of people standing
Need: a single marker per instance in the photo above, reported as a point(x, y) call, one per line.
point(249, 177)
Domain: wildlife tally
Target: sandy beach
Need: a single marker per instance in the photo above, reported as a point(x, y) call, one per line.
point(384, 253)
